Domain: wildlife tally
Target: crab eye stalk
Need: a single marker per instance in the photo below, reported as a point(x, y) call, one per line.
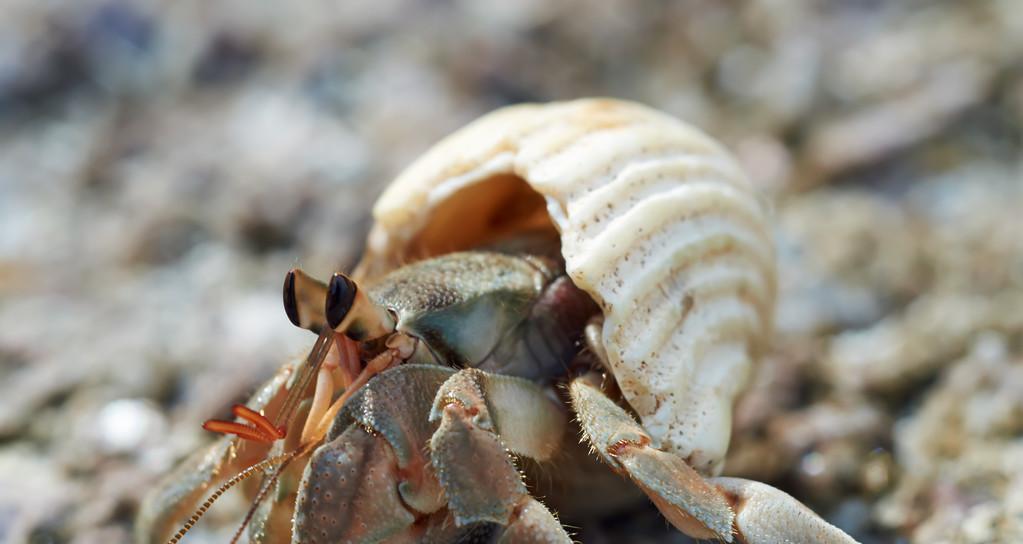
point(340, 297)
point(348, 310)
point(303, 300)
point(291, 299)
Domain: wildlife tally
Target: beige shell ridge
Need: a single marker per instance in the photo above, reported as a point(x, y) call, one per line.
point(658, 224)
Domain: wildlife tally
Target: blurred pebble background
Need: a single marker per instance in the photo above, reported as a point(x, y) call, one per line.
point(163, 164)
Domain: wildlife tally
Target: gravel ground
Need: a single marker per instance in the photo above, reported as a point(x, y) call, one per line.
point(162, 164)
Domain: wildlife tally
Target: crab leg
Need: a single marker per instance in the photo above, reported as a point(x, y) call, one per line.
point(689, 502)
point(471, 407)
point(729, 509)
point(765, 514)
point(322, 394)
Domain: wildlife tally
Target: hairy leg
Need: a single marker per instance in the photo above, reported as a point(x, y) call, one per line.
point(728, 509)
point(682, 495)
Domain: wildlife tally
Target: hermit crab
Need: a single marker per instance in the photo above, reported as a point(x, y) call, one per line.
point(590, 270)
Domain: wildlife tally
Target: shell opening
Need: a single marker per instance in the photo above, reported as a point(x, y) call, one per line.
point(489, 210)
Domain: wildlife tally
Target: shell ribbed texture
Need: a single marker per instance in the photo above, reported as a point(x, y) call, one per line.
point(658, 224)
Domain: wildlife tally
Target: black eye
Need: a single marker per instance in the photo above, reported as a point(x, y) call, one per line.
point(290, 298)
point(340, 297)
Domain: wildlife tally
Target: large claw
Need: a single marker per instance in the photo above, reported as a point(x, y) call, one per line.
point(349, 492)
point(372, 480)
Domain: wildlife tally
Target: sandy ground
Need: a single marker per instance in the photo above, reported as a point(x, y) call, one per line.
point(162, 164)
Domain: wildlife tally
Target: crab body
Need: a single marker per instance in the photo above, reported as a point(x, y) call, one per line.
point(509, 314)
point(592, 257)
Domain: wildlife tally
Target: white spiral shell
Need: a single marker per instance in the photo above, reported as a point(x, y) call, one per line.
point(658, 224)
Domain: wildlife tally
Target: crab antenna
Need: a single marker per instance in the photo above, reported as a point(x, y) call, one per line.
point(351, 312)
point(306, 374)
point(264, 490)
point(303, 300)
point(254, 469)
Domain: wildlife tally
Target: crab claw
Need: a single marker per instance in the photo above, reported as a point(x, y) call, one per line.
point(371, 479)
point(355, 476)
